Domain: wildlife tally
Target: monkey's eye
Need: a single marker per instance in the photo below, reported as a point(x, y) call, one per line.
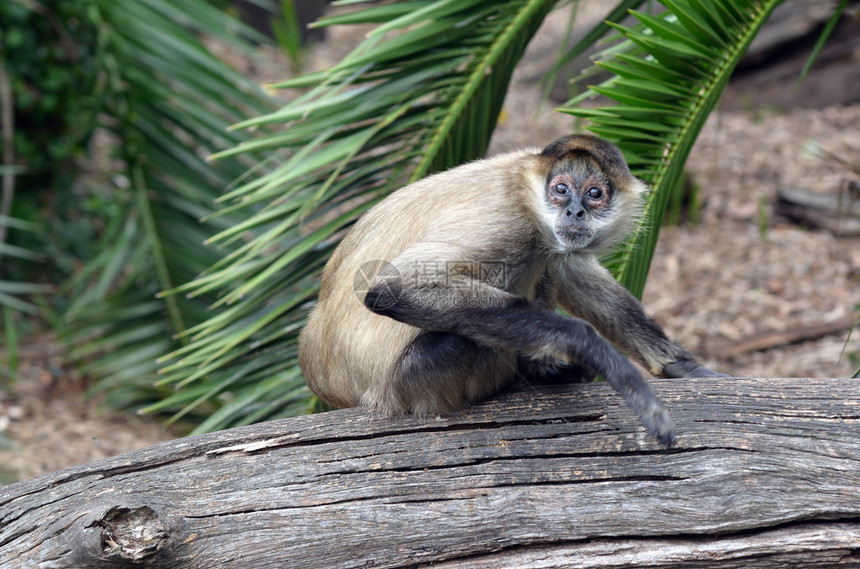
point(561, 189)
point(594, 193)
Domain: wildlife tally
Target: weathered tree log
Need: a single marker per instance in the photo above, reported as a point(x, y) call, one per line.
point(766, 473)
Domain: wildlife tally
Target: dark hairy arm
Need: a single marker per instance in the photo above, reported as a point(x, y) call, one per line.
point(588, 291)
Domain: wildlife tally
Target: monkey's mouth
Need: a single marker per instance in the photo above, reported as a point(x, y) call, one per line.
point(576, 237)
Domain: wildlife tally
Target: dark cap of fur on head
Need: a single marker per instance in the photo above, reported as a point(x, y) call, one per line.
point(606, 154)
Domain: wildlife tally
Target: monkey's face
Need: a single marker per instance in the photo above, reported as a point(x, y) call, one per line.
point(584, 207)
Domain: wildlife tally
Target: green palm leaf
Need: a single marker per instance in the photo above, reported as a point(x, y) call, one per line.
point(421, 94)
point(172, 102)
point(12, 291)
point(668, 76)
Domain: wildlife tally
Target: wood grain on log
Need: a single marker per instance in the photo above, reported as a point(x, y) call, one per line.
point(766, 474)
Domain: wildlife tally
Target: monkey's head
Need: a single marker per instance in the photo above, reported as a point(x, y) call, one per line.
point(591, 201)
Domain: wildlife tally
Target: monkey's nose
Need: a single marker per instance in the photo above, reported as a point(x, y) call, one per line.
point(579, 214)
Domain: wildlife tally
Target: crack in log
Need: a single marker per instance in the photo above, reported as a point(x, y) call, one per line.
point(257, 446)
point(816, 416)
point(727, 421)
point(125, 469)
point(808, 415)
point(18, 534)
point(799, 521)
point(34, 527)
point(5, 521)
point(193, 453)
point(501, 442)
point(641, 541)
point(480, 461)
point(611, 479)
point(464, 494)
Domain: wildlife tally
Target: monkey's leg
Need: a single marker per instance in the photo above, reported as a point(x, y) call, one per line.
point(441, 373)
point(551, 370)
point(494, 318)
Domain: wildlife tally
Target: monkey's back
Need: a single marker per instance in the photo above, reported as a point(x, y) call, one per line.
point(345, 349)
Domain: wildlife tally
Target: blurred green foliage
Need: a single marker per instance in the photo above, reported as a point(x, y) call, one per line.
point(117, 105)
point(51, 57)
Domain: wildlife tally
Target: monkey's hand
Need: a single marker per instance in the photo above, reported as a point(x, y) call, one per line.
point(640, 397)
point(657, 421)
point(689, 368)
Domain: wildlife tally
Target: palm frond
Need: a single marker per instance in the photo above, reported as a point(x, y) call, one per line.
point(594, 35)
point(13, 292)
point(668, 75)
point(172, 104)
point(422, 93)
point(822, 39)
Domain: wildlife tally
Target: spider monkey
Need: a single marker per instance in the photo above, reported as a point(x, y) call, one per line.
point(462, 272)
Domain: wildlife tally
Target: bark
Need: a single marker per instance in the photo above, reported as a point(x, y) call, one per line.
point(766, 473)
